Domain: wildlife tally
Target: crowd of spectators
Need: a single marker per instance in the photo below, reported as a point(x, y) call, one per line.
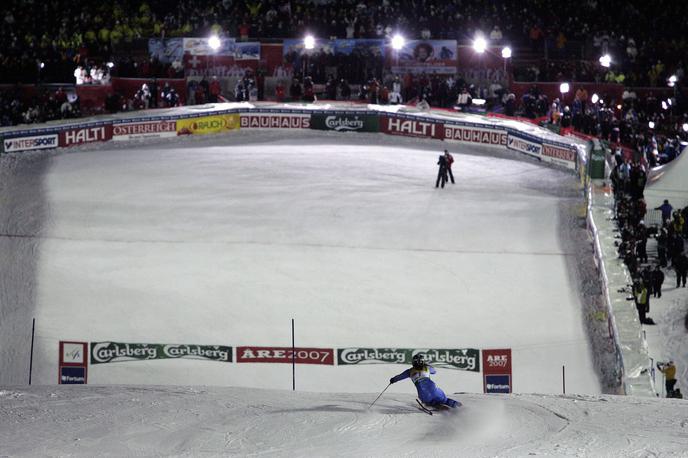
point(46, 104)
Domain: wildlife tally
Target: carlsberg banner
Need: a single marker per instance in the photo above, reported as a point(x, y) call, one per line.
point(112, 352)
point(465, 359)
point(345, 122)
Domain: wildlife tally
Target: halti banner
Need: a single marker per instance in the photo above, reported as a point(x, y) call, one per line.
point(112, 352)
point(466, 359)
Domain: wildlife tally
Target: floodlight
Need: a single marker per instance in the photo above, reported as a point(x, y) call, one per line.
point(651, 124)
point(42, 65)
point(506, 52)
point(479, 45)
point(110, 64)
point(595, 98)
point(664, 105)
point(618, 107)
point(672, 81)
point(685, 126)
point(309, 42)
point(398, 42)
point(606, 60)
point(214, 42)
point(564, 88)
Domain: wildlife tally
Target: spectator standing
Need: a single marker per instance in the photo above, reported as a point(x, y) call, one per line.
point(669, 371)
point(657, 281)
point(666, 210)
point(450, 160)
point(680, 264)
point(642, 302)
point(442, 171)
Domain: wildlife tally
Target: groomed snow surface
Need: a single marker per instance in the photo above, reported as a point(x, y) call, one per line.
point(224, 240)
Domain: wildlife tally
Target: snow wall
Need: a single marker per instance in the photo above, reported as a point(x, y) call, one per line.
point(534, 141)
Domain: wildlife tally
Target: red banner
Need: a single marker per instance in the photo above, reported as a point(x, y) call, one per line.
point(284, 355)
point(411, 127)
point(83, 135)
point(497, 376)
point(127, 87)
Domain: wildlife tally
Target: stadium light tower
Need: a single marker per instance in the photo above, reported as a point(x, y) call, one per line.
point(309, 42)
point(606, 61)
point(479, 44)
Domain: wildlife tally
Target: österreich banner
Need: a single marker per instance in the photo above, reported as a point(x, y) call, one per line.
point(466, 359)
point(112, 352)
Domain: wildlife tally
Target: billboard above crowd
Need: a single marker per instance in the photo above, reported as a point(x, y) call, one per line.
point(230, 58)
point(426, 56)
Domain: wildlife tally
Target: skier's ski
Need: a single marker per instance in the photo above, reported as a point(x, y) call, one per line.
point(423, 408)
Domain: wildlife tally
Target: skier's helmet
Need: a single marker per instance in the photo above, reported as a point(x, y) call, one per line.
point(418, 361)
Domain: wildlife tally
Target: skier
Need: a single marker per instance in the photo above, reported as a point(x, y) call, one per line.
point(450, 161)
point(428, 392)
point(442, 172)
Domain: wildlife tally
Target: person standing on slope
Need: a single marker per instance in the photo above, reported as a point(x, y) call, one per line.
point(450, 160)
point(442, 171)
point(428, 392)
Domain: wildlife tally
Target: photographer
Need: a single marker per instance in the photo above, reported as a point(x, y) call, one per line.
point(669, 371)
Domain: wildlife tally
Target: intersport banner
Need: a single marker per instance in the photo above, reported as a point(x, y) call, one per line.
point(411, 127)
point(12, 145)
point(466, 359)
point(275, 121)
point(345, 122)
point(524, 145)
point(112, 352)
point(469, 134)
point(208, 124)
point(285, 355)
point(426, 56)
point(559, 155)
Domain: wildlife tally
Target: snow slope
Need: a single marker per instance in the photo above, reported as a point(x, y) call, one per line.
point(215, 421)
point(223, 240)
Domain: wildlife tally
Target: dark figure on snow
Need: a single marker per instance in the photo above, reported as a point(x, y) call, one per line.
point(680, 264)
point(450, 160)
point(428, 392)
point(642, 302)
point(657, 280)
point(442, 171)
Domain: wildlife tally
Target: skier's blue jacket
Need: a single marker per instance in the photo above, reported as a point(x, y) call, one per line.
point(428, 392)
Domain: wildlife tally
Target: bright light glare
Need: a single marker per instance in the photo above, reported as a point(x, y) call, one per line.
point(651, 124)
point(595, 98)
point(673, 79)
point(685, 126)
point(606, 60)
point(110, 64)
point(42, 65)
point(480, 45)
point(664, 105)
point(564, 88)
point(398, 42)
point(309, 42)
point(506, 52)
point(618, 107)
point(214, 42)
point(479, 102)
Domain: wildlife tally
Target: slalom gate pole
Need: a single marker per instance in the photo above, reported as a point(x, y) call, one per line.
point(383, 392)
point(293, 358)
point(563, 379)
point(33, 333)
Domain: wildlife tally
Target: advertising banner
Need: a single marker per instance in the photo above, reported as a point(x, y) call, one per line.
point(201, 47)
point(73, 363)
point(12, 145)
point(113, 352)
point(559, 155)
point(345, 122)
point(518, 143)
point(497, 376)
point(365, 47)
point(207, 124)
point(166, 50)
point(80, 136)
point(220, 66)
point(275, 121)
point(426, 56)
point(284, 355)
point(411, 127)
point(247, 50)
point(466, 359)
point(469, 134)
point(145, 129)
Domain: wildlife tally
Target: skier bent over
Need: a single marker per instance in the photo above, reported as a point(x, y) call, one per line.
point(428, 392)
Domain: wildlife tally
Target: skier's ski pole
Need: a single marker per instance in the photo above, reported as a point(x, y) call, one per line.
point(383, 392)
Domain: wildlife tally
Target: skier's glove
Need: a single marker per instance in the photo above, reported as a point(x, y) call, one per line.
point(391, 380)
